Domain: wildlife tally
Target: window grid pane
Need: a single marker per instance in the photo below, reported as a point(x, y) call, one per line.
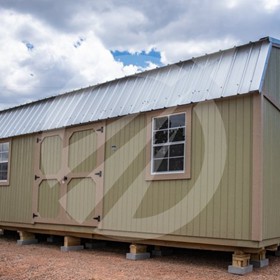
point(168, 143)
point(4, 159)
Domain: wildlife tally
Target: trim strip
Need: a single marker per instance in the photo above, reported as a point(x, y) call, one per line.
point(257, 169)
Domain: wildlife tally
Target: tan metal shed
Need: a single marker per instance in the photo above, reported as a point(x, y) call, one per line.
point(186, 155)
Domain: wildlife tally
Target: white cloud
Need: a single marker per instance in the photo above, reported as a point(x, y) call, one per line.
point(176, 51)
point(58, 61)
point(271, 5)
point(231, 4)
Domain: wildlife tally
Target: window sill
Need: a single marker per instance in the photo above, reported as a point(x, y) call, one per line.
point(167, 176)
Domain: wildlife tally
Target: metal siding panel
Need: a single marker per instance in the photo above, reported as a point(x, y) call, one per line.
point(41, 124)
point(107, 107)
point(96, 111)
point(246, 82)
point(237, 72)
point(156, 88)
point(77, 115)
point(127, 100)
point(144, 95)
point(37, 116)
point(167, 88)
point(196, 95)
point(220, 78)
point(5, 119)
point(260, 69)
point(135, 102)
point(177, 89)
point(55, 114)
point(272, 81)
point(90, 104)
point(48, 113)
point(209, 73)
point(28, 122)
point(17, 126)
point(117, 100)
point(13, 122)
point(72, 109)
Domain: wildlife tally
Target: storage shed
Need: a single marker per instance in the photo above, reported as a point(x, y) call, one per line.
point(186, 155)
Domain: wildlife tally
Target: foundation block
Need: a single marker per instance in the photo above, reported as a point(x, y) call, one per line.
point(162, 251)
point(1, 232)
point(54, 239)
point(260, 263)
point(95, 245)
point(138, 252)
point(71, 244)
point(259, 259)
point(277, 253)
point(240, 264)
point(240, 270)
point(26, 238)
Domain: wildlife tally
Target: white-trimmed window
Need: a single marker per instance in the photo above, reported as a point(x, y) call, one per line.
point(4, 161)
point(168, 144)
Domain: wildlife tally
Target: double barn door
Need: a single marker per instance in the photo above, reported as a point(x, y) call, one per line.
point(68, 179)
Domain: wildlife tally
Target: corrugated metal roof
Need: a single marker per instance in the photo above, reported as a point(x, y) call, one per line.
point(226, 73)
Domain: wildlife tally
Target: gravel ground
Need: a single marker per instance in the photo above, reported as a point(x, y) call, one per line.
point(45, 261)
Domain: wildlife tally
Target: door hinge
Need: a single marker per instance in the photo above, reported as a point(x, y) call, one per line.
point(35, 215)
point(36, 177)
point(39, 140)
point(100, 129)
point(98, 174)
point(98, 218)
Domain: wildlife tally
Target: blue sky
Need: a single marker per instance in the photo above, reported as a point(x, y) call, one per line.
point(50, 47)
point(141, 59)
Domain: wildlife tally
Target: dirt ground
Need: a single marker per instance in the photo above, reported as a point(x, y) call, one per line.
point(46, 261)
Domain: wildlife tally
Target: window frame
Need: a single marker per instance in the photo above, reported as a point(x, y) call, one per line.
point(169, 175)
point(7, 182)
point(167, 144)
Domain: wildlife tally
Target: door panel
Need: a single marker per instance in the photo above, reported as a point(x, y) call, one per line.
point(48, 199)
point(68, 179)
point(82, 151)
point(51, 155)
point(81, 195)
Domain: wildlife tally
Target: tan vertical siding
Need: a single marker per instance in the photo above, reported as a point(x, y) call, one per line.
point(227, 215)
point(271, 194)
point(82, 147)
point(271, 148)
point(16, 199)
